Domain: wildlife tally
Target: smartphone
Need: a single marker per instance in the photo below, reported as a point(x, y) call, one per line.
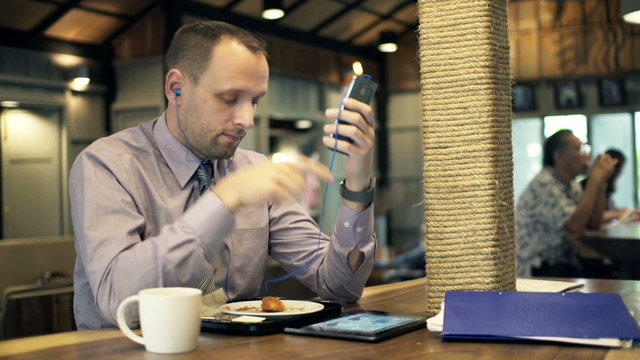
point(361, 88)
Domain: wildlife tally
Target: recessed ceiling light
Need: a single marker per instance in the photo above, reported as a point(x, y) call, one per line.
point(273, 10)
point(630, 10)
point(357, 68)
point(387, 42)
point(9, 104)
point(80, 83)
point(303, 124)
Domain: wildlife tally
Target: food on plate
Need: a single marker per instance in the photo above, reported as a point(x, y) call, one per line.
point(272, 304)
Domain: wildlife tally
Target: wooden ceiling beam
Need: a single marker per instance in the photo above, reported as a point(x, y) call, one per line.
point(55, 15)
point(231, 4)
point(199, 9)
point(90, 9)
point(290, 9)
point(20, 39)
point(338, 15)
point(132, 21)
point(381, 19)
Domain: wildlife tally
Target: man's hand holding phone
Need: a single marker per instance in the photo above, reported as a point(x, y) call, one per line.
point(359, 127)
point(361, 88)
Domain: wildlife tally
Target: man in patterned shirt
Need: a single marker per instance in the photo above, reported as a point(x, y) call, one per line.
point(553, 206)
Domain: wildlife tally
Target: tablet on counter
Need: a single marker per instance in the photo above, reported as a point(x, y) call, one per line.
point(371, 326)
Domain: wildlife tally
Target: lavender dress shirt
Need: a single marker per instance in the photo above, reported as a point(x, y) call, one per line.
point(140, 222)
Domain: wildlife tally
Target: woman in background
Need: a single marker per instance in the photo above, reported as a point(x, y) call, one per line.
point(612, 212)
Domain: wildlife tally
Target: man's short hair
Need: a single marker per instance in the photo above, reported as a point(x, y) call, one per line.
point(554, 143)
point(190, 48)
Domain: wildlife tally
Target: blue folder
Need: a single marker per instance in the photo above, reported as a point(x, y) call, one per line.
point(509, 315)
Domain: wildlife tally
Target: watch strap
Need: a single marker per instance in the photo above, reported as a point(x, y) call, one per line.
point(365, 196)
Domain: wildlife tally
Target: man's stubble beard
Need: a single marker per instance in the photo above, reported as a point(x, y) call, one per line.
point(213, 150)
point(203, 147)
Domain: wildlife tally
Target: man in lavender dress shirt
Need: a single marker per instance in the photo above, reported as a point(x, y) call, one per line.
point(138, 215)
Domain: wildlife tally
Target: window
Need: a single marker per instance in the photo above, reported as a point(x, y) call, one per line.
point(576, 123)
point(527, 152)
point(602, 131)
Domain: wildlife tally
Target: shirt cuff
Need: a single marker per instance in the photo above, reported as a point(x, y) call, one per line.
point(355, 225)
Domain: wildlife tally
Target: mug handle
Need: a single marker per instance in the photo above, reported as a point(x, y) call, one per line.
point(122, 323)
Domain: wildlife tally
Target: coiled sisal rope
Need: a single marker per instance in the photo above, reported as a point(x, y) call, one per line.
point(468, 183)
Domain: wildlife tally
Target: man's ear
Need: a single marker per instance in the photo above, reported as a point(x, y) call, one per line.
point(556, 156)
point(174, 83)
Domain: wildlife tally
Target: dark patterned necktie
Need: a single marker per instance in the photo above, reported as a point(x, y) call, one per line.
point(205, 169)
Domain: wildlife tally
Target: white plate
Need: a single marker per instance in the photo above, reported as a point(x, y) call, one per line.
point(254, 308)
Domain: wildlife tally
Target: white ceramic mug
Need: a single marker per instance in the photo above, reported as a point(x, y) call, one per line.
point(169, 318)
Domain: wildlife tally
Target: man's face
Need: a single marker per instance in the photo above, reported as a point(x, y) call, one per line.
point(573, 158)
point(219, 110)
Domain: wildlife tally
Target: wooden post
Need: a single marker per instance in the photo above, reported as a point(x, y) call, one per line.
point(468, 182)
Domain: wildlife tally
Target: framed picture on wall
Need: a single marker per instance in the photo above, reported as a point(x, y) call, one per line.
point(524, 97)
point(567, 95)
point(611, 92)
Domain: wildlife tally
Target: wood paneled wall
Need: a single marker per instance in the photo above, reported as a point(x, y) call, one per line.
point(549, 40)
point(325, 66)
point(571, 39)
point(402, 66)
point(145, 39)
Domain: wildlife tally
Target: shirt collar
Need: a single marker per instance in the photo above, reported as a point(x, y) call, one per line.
point(555, 175)
point(174, 153)
point(181, 160)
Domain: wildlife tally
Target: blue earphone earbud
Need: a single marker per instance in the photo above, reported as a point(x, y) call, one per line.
point(177, 92)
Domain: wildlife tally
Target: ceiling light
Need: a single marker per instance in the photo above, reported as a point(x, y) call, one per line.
point(80, 83)
point(303, 124)
point(630, 11)
point(80, 78)
point(66, 61)
point(387, 42)
point(288, 155)
point(357, 68)
point(273, 9)
point(9, 104)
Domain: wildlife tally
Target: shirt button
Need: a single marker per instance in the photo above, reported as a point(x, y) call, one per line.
point(347, 224)
point(359, 229)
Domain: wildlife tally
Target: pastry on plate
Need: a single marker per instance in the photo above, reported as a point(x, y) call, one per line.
point(272, 304)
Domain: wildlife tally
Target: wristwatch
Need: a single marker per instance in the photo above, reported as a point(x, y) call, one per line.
point(365, 196)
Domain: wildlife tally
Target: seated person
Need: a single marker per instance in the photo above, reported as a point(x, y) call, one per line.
point(175, 202)
point(553, 206)
point(611, 211)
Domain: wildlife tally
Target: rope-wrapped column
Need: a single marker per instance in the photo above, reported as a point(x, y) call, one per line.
point(468, 182)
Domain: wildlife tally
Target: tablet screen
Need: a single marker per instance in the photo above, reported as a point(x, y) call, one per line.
point(365, 323)
point(365, 326)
